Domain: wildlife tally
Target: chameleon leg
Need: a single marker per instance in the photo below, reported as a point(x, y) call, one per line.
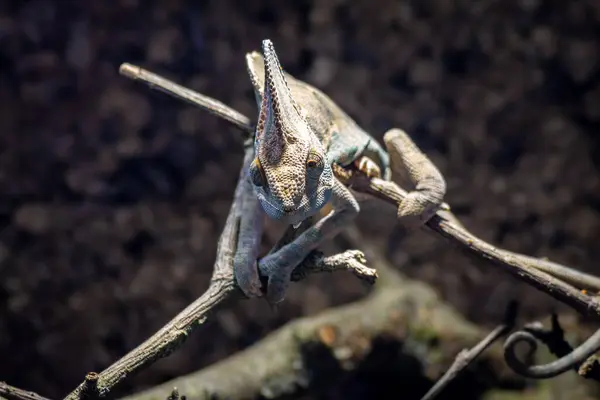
point(245, 267)
point(279, 265)
point(430, 186)
point(250, 216)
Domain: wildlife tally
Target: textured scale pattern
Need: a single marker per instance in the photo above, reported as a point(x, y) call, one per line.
point(288, 188)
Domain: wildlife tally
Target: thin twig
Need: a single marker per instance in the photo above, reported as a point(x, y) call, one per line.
point(467, 356)
point(209, 104)
point(12, 393)
point(175, 332)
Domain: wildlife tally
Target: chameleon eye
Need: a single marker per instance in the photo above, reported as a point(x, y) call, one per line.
point(314, 164)
point(257, 176)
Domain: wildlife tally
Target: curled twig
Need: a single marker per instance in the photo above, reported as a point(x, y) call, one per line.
point(570, 359)
point(553, 338)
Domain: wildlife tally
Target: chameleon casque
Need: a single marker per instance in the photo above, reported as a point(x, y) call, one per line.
point(300, 133)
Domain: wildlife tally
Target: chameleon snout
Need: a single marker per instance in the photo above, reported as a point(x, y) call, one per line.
point(287, 208)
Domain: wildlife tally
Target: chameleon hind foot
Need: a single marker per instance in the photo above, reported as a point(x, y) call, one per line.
point(430, 187)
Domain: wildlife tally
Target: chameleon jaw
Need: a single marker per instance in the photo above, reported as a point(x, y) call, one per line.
point(307, 208)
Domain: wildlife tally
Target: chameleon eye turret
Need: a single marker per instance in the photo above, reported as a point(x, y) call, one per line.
point(257, 176)
point(314, 165)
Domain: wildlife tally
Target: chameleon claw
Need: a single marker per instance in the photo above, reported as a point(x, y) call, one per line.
point(279, 276)
point(276, 289)
point(368, 167)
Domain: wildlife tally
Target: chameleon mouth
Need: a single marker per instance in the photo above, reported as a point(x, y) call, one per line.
point(302, 211)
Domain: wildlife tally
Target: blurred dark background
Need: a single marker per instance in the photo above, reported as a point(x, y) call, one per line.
point(112, 196)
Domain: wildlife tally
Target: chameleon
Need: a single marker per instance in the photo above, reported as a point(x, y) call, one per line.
point(299, 135)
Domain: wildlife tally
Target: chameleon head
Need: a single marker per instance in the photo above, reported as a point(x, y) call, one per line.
point(291, 175)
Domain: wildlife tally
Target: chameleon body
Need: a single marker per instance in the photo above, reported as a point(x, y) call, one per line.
point(300, 133)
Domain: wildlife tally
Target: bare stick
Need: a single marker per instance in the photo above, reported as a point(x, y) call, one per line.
point(209, 104)
point(12, 393)
point(466, 357)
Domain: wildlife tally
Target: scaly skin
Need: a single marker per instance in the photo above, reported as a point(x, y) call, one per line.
point(299, 135)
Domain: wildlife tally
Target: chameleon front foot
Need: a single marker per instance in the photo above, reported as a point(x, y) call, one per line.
point(368, 167)
point(279, 277)
point(430, 187)
point(248, 279)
